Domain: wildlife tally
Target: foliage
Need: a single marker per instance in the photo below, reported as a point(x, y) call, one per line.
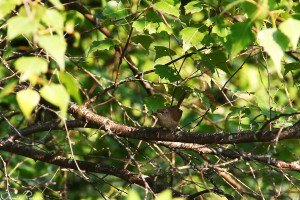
point(238, 62)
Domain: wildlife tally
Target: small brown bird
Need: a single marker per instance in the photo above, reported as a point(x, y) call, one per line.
point(169, 117)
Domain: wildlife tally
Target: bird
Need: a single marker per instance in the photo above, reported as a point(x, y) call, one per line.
point(169, 117)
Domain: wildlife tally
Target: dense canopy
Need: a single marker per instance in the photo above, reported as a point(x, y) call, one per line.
point(82, 83)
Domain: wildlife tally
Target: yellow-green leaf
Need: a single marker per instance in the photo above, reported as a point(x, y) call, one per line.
point(57, 95)
point(27, 99)
point(19, 25)
point(54, 20)
point(31, 68)
point(57, 4)
point(6, 7)
point(164, 195)
point(274, 43)
point(291, 28)
point(56, 46)
point(193, 7)
point(169, 6)
point(133, 195)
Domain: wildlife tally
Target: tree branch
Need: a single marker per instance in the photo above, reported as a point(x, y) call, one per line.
point(203, 149)
point(91, 120)
point(128, 176)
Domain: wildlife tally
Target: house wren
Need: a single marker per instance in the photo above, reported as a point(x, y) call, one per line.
point(169, 117)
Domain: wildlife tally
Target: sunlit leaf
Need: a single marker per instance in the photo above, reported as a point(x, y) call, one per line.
point(8, 89)
point(220, 29)
point(164, 195)
point(139, 25)
point(274, 43)
point(31, 68)
point(151, 27)
point(169, 6)
point(7, 6)
point(256, 10)
point(133, 195)
point(27, 99)
point(56, 46)
point(191, 38)
point(20, 25)
point(151, 22)
point(193, 7)
point(291, 28)
point(38, 195)
point(57, 95)
point(57, 4)
point(54, 20)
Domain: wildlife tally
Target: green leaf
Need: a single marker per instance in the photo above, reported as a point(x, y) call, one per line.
point(164, 28)
point(144, 40)
point(180, 91)
point(291, 67)
point(256, 11)
point(9, 88)
point(139, 25)
point(57, 4)
point(215, 59)
point(161, 51)
point(291, 28)
point(152, 27)
point(56, 46)
point(193, 7)
point(37, 12)
point(167, 72)
point(54, 20)
point(220, 29)
point(274, 43)
point(115, 9)
point(169, 6)
point(20, 25)
point(31, 68)
point(7, 6)
point(164, 195)
point(71, 84)
point(27, 99)
point(105, 44)
point(155, 102)
point(191, 38)
point(241, 36)
point(133, 195)
point(57, 95)
point(151, 22)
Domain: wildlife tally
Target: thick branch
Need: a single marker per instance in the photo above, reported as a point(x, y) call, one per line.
point(88, 119)
point(130, 177)
point(155, 134)
point(203, 149)
point(190, 146)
